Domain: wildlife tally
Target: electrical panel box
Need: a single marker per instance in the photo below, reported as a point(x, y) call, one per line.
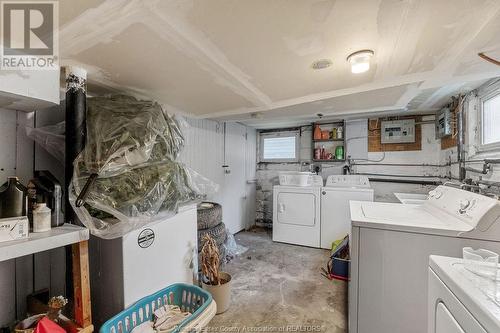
point(444, 124)
point(398, 131)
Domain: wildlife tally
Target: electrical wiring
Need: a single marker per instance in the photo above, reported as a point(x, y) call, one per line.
point(355, 138)
point(368, 160)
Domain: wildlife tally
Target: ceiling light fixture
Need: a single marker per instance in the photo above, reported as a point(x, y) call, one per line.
point(360, 61)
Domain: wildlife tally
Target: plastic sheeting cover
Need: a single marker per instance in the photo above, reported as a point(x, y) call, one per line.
point(51, 138)
point(132, 146)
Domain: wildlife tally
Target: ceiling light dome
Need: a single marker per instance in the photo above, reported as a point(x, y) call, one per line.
point(360, 61)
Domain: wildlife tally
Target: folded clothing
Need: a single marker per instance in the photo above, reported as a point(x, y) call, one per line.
point(145, 327)
point(166, 319)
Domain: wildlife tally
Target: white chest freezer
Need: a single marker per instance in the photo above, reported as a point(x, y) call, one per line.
point(125, 269)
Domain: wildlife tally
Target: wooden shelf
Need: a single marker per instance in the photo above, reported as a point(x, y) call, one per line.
point(324, 161)
point(66, 234)
point(332, 122)
point(329, 140)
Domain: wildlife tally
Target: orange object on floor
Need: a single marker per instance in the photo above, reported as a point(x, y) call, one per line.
point(45, 325)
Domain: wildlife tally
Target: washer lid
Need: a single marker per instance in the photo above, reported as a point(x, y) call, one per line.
point(412, 218)
point(466, 286)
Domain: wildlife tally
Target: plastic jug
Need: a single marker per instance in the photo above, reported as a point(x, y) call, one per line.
point(41, 218)
point(317, 132)
point(339, 152)
point(13, 200)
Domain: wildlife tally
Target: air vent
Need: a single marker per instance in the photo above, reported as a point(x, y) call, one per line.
point(321, 64)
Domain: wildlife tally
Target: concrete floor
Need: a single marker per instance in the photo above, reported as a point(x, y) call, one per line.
point(278, 288)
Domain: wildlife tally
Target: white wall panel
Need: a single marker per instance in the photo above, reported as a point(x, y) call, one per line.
point(204, 153)
point(204, 150)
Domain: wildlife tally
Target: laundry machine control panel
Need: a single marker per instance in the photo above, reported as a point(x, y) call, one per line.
point(347, 181)
point(472, 208)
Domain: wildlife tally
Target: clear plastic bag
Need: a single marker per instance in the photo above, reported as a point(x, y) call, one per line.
point(232, 249)
point(123, 133)
point(131, 146)
point(51, 138)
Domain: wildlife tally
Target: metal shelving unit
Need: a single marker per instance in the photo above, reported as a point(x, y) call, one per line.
point(330, 142)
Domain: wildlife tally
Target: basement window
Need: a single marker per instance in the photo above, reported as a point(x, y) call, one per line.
point(490, 120)
point(279, 147)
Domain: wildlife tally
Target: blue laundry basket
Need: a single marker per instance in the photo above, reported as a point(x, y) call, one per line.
point(188, 297)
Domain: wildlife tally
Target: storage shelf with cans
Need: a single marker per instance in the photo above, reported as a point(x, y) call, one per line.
point(328, 142)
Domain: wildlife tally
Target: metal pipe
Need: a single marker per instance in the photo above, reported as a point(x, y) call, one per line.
point(402, 164)
point(76, 128)
point(389, 175)
point(461, 142)
point(469, 186)
point(452, 184)
point(484, 171)
point(405, 181)
point(488, 183)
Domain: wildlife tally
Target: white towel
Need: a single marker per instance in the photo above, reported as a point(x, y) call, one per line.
point(168, 317)
point(145, 327)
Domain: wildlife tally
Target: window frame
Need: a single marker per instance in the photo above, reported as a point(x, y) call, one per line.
point(279, 134)
point(486, 147)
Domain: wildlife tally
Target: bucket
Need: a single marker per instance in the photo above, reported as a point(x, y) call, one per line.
point(220, 293)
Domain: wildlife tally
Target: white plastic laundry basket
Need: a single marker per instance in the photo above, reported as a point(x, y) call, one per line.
point(295, 178)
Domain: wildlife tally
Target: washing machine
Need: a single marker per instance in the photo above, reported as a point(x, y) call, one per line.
point(390, 253)
point(460, 301)
point(335, 213)
point(296, 213)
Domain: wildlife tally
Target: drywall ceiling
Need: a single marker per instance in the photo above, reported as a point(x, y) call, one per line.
point(250, 60)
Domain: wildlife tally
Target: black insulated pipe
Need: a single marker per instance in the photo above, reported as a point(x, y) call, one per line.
point(76, 130)
point(76, 127)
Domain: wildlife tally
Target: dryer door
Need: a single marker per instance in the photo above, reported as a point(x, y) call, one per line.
point(445, 322)
point(297, 208)
point(296, 216)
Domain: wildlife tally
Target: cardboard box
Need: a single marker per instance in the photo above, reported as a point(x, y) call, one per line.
point(14, 228)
